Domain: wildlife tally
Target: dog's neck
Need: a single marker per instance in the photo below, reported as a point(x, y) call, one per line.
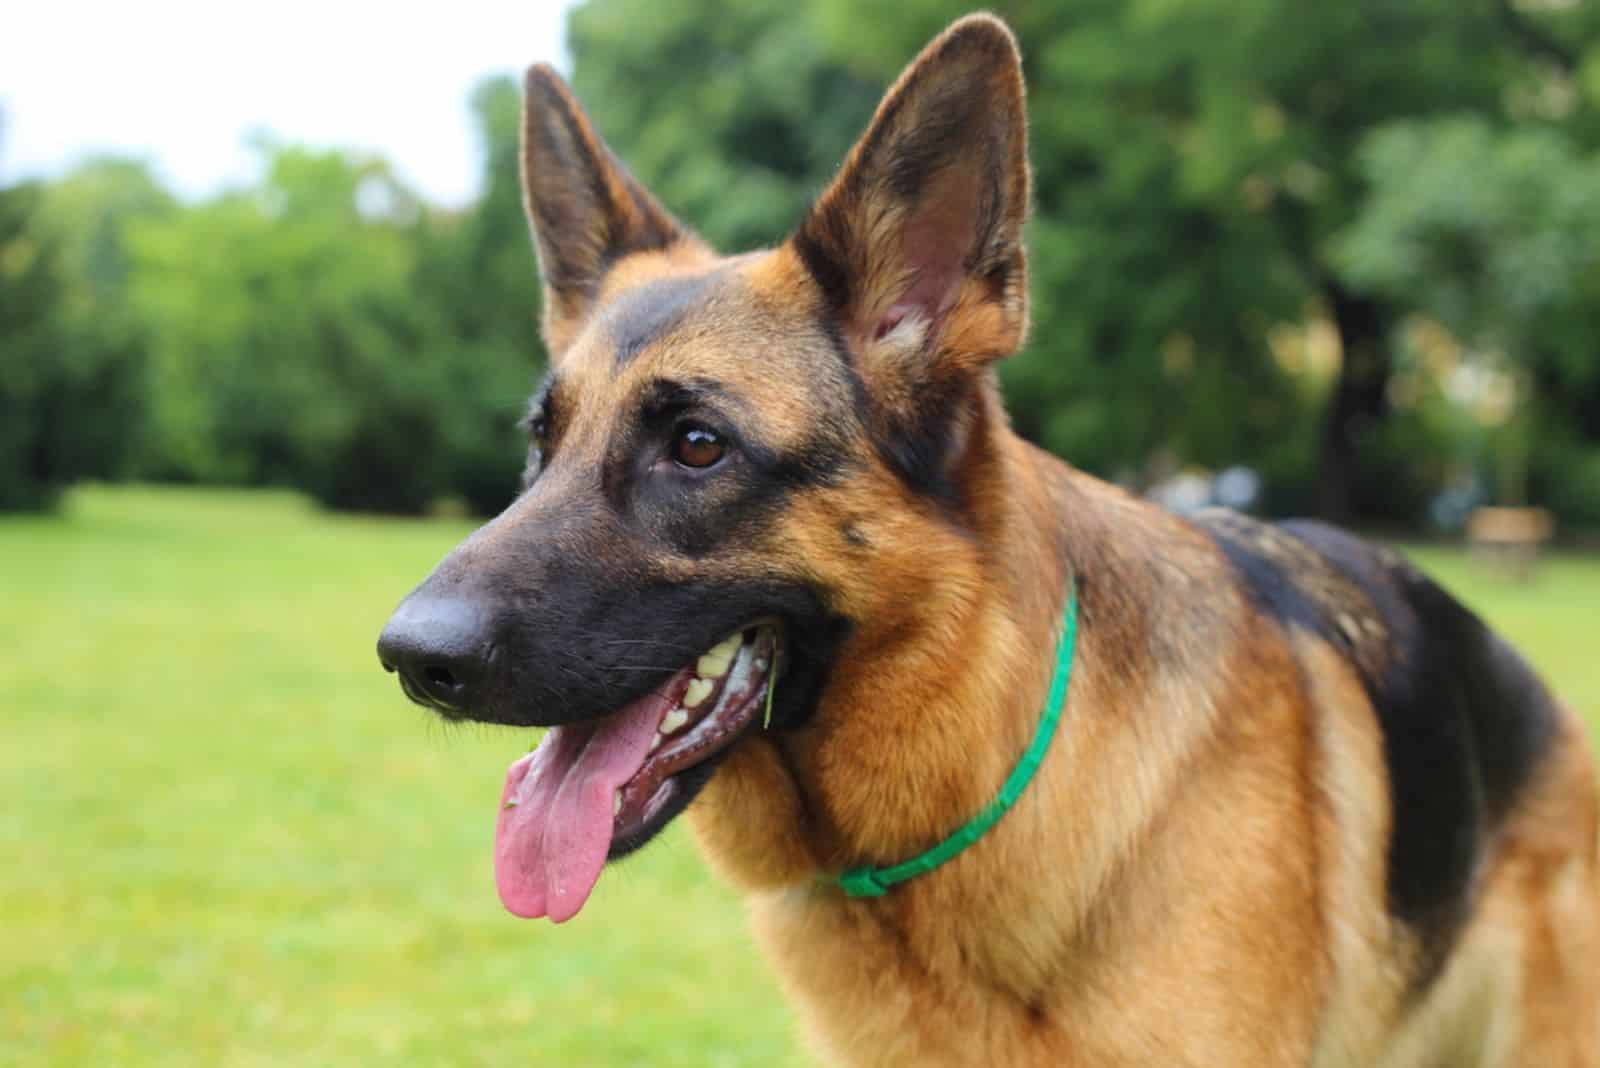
point(933, 700)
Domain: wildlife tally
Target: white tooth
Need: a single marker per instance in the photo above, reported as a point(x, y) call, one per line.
point(714, 663)
point(655, 741)
point(761, 663)
point(674, 720)
point(699, 690)
point(616, 803)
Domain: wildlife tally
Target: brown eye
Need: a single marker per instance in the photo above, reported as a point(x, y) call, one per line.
point(538, 427)
point(695, 446)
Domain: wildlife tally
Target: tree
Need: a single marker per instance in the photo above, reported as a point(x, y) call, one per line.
point(733, 114)
point(326, 330)
point(1495, 233)
point(1194, 162)
point(287, 348)
point(477, 279)
point(1219, 184)
point(30, 348)
point(73, 394)
point(90, 214)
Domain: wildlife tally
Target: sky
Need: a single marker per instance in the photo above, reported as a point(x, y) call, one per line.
point(183, 83)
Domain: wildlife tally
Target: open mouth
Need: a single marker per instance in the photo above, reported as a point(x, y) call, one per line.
point(597, 789)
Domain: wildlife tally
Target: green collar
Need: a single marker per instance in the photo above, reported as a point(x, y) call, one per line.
point(875, 882)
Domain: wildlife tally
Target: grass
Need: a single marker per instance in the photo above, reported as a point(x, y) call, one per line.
point(1552, 620)
point(230, 842)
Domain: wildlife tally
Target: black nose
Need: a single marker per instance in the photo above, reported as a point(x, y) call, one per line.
point(440, 648)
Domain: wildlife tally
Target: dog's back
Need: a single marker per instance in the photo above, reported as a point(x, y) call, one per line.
point(1489, 864)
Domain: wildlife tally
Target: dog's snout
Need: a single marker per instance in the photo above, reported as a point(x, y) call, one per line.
point(440, 648)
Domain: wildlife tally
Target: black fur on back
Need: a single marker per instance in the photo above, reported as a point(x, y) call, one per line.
point(1465, 721)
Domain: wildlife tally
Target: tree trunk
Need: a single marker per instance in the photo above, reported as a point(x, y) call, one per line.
point(1358, 404)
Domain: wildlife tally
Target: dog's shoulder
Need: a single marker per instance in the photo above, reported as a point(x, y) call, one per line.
point(1465, 721)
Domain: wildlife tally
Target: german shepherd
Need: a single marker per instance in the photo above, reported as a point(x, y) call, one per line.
point(781, 563)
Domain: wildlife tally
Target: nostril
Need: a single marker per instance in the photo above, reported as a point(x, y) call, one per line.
point(439, 677)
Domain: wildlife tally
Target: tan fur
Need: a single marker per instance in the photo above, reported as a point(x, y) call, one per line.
point(1196, 876)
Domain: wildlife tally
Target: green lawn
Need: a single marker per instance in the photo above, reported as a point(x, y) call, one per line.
point(1553, 620)
point(231, 842)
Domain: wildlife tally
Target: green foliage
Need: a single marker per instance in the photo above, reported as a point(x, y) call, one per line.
point(1495, 233)
point(72, 394)
point(477, 276)
point(29, 298)
point(1193, 162)
point(269, 311)
point(91, 213)
point(733, 114)
point(324, 331)
point(1215, 181)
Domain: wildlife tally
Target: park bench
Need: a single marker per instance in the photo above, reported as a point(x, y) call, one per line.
point(1510, 538)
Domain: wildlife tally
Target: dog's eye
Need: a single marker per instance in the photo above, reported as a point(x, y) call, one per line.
point(538, 430)
point(696, 446)
point(538, 442)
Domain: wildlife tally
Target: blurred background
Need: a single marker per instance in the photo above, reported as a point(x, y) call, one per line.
point(268, 317)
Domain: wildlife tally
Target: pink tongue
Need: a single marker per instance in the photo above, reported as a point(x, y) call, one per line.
point(550, 845)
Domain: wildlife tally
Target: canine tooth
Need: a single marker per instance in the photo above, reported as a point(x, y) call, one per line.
point(673, 720)
point(655, 743)
point(699, 690)
point(714, 663)
point(616, 802)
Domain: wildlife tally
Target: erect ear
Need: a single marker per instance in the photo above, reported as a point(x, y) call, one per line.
point(917, 244)
point(587, 212)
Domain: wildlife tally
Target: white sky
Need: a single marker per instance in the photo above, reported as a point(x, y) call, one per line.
point(181, 82)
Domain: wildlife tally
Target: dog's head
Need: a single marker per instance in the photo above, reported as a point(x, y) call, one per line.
point(740, 469)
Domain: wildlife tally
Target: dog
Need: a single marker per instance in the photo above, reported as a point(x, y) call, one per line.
point(781, 565)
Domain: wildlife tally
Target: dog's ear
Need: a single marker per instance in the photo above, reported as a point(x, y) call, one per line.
point(916, 245)
point(587, 212)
